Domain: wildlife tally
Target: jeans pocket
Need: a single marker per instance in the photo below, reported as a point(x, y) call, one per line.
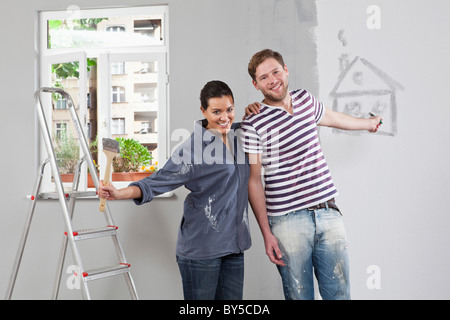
point(336, 211)
point(274, 220)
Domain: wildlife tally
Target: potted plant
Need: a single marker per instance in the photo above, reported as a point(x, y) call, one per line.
point(67, 154)
point(132, 161)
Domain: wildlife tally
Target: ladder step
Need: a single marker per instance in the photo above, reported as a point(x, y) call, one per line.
point(68, 195)
point(104, 272)
point(94, 233)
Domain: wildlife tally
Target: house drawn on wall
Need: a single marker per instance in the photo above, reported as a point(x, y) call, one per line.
point(363, 88)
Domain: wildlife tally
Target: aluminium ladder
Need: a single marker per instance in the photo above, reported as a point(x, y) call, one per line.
point(67, 202)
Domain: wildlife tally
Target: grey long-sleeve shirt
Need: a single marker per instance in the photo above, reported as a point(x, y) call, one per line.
point(215, 215)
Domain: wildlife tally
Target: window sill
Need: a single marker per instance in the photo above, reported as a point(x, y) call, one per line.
point(54, 195)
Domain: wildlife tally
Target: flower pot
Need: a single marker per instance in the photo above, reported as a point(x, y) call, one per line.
point(90, 181)
point(68, 177)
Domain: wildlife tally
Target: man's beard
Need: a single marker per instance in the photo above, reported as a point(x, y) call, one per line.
point(269, 96)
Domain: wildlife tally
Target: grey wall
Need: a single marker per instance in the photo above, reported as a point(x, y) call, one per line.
point(208, 40)
point(393, 189)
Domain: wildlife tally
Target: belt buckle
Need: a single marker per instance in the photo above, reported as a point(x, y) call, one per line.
point(318, 206)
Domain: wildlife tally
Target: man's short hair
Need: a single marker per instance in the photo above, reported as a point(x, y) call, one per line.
point(260, 57)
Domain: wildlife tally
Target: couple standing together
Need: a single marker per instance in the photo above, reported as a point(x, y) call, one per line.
point(302, 227)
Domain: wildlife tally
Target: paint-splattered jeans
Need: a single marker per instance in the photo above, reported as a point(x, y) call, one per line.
point(313, 240)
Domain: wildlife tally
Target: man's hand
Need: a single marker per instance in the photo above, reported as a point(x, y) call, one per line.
point(252, 109)
point(374, 123)
point(272, 250)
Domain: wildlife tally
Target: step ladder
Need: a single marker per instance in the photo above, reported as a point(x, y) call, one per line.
point(67, 202)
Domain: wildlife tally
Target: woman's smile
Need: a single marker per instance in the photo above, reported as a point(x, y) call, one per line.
point(220, 114)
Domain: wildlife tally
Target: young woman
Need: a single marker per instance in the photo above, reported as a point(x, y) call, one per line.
point(214, 230)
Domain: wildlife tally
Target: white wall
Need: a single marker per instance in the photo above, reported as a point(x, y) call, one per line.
point(402, 230)
point(393, 189)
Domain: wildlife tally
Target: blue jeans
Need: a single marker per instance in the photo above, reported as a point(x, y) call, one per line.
point(313, 240)
point(213, 279)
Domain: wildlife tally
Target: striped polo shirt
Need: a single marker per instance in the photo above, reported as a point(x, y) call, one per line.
point(296, 175)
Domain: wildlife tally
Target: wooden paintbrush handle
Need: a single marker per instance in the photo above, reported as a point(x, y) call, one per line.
point(102, 205)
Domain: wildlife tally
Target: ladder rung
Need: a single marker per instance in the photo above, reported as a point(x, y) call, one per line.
point(94, 233)
point(104, 272)
point(68, 195)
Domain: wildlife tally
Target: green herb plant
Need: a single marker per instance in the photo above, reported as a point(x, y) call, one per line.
point(132, 156)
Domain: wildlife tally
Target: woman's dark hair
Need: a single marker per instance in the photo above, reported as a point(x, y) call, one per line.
point(214, 89)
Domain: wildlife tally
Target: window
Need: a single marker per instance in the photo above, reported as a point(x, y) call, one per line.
point(118, 94)
point(118, 68)
point(61, 104)
point(61, 129)
point(147, 67)
point(118, 126)
point(147, 28)
point(89, 130)
point(118, 60)
point(145, 127)
point(88, 99)
point(94, 28)
point(145, 92)
point(115, 29)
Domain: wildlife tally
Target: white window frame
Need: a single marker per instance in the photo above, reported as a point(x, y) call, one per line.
point(101, 13)
point(104, 98)
point(104, 56)
point(46, 81)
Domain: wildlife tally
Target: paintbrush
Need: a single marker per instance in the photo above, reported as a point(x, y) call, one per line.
point(111, 149)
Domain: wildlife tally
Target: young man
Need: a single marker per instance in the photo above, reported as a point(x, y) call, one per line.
point(296, 212)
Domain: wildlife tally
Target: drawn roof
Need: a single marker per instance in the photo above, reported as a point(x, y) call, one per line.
point(361, 76)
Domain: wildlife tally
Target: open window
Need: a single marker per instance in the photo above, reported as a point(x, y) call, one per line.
point(113, 63)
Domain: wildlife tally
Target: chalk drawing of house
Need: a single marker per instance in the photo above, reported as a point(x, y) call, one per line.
point(361, 89)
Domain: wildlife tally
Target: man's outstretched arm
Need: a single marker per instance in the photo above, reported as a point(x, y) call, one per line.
point(343, 121)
